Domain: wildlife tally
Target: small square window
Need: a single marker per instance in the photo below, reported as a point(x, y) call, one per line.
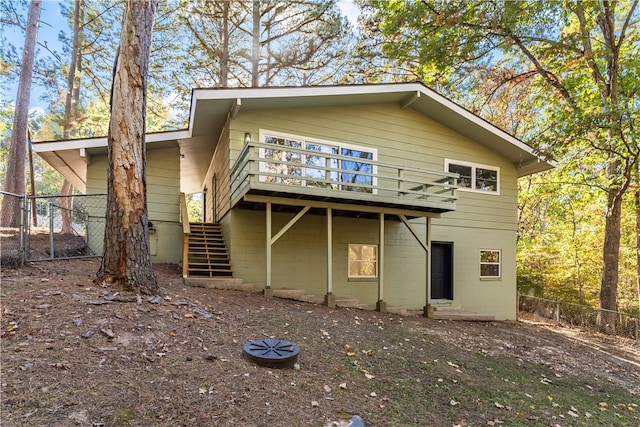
point(490, 264)
point(363, 261)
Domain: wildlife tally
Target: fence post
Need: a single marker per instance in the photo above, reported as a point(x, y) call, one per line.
point(22, 235)
point(557, 312)
point(636, 322)
point(50, 229)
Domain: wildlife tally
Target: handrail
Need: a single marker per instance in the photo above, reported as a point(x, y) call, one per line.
point(382, 182)
point(184, 214)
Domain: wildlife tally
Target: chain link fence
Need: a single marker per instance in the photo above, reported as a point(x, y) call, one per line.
point(39, 228)
point(595, 319)
point(12, 236)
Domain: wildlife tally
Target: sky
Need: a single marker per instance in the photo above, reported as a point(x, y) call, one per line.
point(52, 22)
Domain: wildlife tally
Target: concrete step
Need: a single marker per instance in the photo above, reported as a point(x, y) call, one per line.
point(401, 311)
point(462, 315)
point(294, 294)
point(347, 302)
point(219, 283)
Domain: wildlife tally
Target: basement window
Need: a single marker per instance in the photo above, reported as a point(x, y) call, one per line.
point(363, 261)
point(490, 264)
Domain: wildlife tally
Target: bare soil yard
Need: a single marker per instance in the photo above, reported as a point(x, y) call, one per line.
point(77, 353)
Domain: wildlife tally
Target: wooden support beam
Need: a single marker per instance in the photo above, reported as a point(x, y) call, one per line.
point(381, 259)
point(290, 224)
point(413, 231)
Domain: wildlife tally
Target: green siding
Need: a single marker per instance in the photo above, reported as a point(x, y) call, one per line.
point(481, 221)
point(163, 202)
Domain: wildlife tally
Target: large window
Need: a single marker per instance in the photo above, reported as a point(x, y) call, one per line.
point(475, 177)
point(363, 261)
point(318, 163)
point(490, 263)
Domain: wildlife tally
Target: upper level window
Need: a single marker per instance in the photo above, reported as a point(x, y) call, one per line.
point(315, 163)
point(475, 177)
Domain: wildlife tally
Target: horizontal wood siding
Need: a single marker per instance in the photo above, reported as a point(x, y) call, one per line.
point(220, 167)
point(401, 136)
point(163, 203)
point(481, 220)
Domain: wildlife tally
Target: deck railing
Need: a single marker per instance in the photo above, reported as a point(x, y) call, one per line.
point(301, 172)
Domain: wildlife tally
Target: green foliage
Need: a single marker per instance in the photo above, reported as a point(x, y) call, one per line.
point(580, 63)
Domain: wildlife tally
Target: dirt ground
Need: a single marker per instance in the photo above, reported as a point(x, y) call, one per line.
point(79, 353)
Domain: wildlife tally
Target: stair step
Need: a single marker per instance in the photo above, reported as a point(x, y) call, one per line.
point(462, 315)
point(288, 293)
point(347, 302)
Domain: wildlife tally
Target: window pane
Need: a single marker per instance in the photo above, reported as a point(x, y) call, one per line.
point(320, 160)
point(490, 263)
point(363, 260)
point(282, 155)
point(464, 172)
point(489, 270)
point(486, 179)
point(489, 256)
point(356, 166)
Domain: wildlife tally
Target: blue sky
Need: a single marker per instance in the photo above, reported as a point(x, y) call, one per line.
point(52, 22)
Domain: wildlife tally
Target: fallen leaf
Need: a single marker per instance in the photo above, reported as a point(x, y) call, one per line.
point(499, 405)
point(343, 386)
point(327, 389)
point(314, 404)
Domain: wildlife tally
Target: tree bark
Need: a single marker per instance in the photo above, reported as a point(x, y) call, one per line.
point(610, 261)
point(636, 198)
point(255, 45)
point(224, 55)
point(126, 260)
point(66, 201)
point(15, 181)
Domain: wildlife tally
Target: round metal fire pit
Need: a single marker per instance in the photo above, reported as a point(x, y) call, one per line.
point(271, 353)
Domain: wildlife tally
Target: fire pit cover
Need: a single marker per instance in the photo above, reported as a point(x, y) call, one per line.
point(271, 353)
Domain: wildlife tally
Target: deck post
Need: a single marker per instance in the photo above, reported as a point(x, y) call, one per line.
point(329, 298)
point(427, 311)
point(267, 289)
point(381, 305)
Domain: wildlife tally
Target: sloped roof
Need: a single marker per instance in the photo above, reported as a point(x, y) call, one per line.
point(211, 107)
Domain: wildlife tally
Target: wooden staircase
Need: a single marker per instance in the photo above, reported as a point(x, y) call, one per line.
point(207, 254)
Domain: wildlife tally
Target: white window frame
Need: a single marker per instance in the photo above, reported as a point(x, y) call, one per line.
point(309, 140)
point(499, 264)
point(376, 262)
point(472, 188)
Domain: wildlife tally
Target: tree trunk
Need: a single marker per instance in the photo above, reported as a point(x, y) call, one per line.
point(636, 198)
point(15, 181)
point(255, 45)
point(126, 260)
point(610, 260)
point(224, 56)
point(66, 201)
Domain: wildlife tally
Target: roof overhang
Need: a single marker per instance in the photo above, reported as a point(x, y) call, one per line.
point(71, 157)
point(211, 108)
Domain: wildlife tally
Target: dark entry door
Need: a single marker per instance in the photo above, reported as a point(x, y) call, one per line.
point(442, 270)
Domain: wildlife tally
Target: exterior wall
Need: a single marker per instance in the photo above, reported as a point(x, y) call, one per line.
point(163, 202)
point(218, 189)
point(481, 221)
point(299, 257)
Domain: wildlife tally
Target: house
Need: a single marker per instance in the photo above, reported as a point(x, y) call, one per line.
point(386, 195)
